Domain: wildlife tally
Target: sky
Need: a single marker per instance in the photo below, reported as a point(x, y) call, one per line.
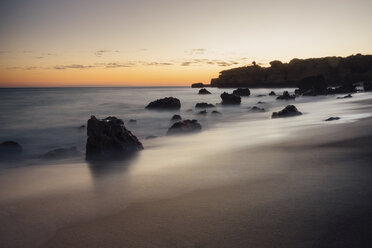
point(168, 42)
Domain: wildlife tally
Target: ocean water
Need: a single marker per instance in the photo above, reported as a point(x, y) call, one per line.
point(42, 119)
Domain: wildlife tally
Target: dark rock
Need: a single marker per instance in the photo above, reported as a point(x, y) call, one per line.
point(165, 103)
point(261, 95)
point(286, 96)
point(288, 111)
point(367, 86)
point(257, 109)
point(312, 86)
point(176, 118)
point(259, 102)
point(343, 97)
point(132, 121)
point(184, 127)
point(230, 99)
point(10, 149)
point(272, 93)
point(242, 92)
point(109, 139)
point(197, 85)
point(62, 153)
point(344, 89)
point(203, 112)
point(204, 105)
point(151, 137)
point(332, 119)
point(204, 91)
point(215, 112)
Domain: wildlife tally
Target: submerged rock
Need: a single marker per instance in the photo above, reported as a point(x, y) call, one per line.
point(344, 89)
point(230, 99)
point(176, 118)
point(203, 112)
point(109, 139)
point(272, 93)
point(132, 121)
point(242, 92)
point(62, 153)
point(332, 119)
point(184, 127)
point(288, 111)
point(165, 103)
point(257, 109)
point(347, 96)
point(286, 96)
point(259, 102)
point(215, 112)
point(204, 105)
point(204, 91)
point(10, 149)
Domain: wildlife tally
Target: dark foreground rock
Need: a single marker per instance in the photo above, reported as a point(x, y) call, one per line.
point(272, 93)
point(230, 99)
point(176, 118)
point(184, 127)
point(166, 103)
point(286, 96)
point(109, 139)
point(61, 153)
point(10, 149)
point(288, 111)
point(204, 105)
point(204, 91)
point(332, 119)
point(257, 109)
point(242, 92)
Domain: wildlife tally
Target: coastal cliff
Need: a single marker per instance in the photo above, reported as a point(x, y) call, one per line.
point(335, 71)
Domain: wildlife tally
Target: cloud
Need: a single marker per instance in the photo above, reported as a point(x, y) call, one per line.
point(100, 53)
point(156, 63)
point(28, 68)
point(118, 65)
point(73, 66)
point(196, 51)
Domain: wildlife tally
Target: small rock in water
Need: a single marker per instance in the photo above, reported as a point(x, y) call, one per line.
point(332, 119)
point(10, 149)
point(176, 118)
point(242, 92)
point(259, 102)
point(184, 127)
point(272, 93)
point(203, 112)
point(286, 96)
point(215, 112)
point(166, 103)
point(288, 111)
point(204, 91)
point(261, 95)
point(109, 139)
point(132, 121)
point(257, 109)
point(204, 105)
point(343, 97)
point(230, 99)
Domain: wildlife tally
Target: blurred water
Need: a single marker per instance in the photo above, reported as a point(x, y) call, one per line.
point(41, 119)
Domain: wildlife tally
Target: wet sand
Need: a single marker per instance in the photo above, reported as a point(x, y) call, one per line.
point(312, 190)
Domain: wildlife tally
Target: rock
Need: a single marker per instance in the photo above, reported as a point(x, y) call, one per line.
point(230, 99)
point(176, 118)
point(332, 119)
point(261, 95)
point(257, 109)
point(312, 86)
point(10, 149)
point(286, 96)
point(151, 137)
point(347, 96)
point(242, 92)
point(288, 111)
point(62, 153)
point(204, 105)
point(272, 93)
point(203, 112)
point(204, 91)
point(132, 121)
point(165, 103)
point(215, 112)
point(259, 102)
point(184, 127)
point(197, 85)
point(367, 86)
point(344, 89)
point(109, 139)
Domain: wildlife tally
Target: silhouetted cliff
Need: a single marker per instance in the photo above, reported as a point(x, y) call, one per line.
point(335, 71)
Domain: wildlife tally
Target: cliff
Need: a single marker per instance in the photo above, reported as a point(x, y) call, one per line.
point(335, 71)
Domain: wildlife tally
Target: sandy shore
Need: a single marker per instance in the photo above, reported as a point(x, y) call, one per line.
point(313, 190)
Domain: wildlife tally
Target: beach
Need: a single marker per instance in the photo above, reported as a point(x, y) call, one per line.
point(308, 188)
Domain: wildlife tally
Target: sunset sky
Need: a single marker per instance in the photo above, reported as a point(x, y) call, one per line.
point(168, 42)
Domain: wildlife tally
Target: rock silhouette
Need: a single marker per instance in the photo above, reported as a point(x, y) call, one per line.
point(184, 127)
point(9, 149)
point(167, 103)
point(204, 105)
point(230, 99)
point(176, 118)
point(204, 91)
point(242, 92)
point(286, 96)
point(109, 139)
point(288, 111)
